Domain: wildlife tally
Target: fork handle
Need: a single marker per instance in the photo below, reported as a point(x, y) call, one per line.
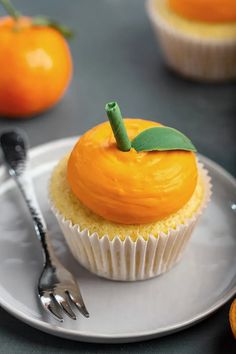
point(24, 182)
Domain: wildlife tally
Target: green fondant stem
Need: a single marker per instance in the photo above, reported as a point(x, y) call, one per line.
point(118, 127)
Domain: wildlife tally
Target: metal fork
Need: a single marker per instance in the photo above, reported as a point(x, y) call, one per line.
point(57, 288)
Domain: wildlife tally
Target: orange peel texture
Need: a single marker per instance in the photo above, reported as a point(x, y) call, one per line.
point(129, 187)
point(205, 10)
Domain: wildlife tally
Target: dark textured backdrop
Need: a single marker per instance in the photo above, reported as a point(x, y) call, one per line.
point(116, 57)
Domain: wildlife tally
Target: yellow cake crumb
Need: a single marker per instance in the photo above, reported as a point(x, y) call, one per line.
point(72, 209)
point(213, 31)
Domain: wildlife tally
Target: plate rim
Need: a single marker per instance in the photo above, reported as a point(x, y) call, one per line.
point(121, 337)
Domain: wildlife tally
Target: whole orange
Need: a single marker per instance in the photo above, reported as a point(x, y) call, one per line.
point(232, 317)
point(35, 67)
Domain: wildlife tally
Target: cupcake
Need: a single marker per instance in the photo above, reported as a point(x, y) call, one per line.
point(198, 37)
point(128, 196)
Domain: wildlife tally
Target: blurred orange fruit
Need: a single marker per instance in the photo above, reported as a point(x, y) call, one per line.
point(35, 67)
point(232, 317)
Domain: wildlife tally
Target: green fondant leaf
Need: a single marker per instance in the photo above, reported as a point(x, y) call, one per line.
point(161, 139)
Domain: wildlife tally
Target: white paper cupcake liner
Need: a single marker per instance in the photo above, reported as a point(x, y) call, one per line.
point(130, 260)
point(194, 57)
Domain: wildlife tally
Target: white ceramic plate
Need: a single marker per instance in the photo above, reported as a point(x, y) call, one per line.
point(120, 312)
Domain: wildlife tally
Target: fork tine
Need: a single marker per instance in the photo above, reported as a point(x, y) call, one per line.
point(55, 313)
point(47, 304)
point(65, 306)
point(78, 302)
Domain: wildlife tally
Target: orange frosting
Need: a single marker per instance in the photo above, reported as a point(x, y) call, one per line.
point(205, 10)
point(129, 187)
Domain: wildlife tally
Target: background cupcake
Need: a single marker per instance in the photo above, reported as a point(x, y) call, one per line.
point(198, 37)
point(126, 211)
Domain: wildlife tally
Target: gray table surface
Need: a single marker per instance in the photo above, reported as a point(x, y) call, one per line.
point(116, 57)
